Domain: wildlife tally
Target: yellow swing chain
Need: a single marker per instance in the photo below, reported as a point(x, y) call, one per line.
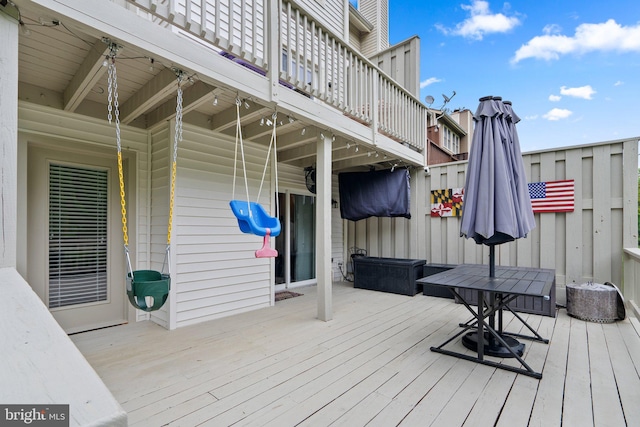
point(177, 138)
point(113, 106)
point(114, 111)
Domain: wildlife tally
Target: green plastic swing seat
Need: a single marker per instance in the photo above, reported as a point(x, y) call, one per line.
point(148, 283)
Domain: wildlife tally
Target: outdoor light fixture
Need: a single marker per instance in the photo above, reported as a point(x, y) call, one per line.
point(304, 130)
point(262, 121)
point(215, 99)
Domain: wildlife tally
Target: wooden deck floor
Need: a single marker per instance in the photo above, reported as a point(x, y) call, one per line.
point(371, 365)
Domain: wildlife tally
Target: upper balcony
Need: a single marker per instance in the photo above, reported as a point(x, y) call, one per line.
point(275, 55)
point(299, 54)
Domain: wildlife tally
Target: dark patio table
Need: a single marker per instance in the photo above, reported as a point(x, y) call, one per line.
point(508, 284)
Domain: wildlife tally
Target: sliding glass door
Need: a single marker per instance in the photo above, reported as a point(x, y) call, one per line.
point(296, 244)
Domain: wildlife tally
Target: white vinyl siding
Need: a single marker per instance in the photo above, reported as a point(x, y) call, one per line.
point(329, 13)
point(217, 273)
point(376, 12)
point(161, 143)
point(354, 39)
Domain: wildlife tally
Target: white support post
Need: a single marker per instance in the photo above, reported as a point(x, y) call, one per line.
point(273, 45)
point(323, 227)
point(8, 139)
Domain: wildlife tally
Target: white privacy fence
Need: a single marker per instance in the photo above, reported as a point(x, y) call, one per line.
point(312, 60)
point(588, 244)
point(632, 279)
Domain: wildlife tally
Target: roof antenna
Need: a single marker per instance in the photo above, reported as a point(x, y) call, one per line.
point(447, 99)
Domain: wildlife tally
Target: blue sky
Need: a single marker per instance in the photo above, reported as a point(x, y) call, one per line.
point(571, 68)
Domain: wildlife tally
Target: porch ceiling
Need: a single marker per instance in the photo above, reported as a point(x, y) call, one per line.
point(61, 65)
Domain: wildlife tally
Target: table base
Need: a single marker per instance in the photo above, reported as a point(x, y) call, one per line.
point(492, 347)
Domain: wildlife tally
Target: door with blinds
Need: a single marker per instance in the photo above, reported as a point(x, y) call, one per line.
point(75, 256)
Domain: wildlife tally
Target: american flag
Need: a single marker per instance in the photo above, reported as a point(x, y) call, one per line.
point(552, 196)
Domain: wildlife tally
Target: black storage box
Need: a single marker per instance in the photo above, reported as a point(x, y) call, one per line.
point(434, 290)
point(395, 275)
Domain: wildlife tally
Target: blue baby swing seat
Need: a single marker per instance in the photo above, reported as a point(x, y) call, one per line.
point(254, 219)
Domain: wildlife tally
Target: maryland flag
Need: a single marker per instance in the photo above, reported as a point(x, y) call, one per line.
point(447, 202)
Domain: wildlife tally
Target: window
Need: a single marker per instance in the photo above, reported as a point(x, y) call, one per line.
point(451, 140)
point(78, 215)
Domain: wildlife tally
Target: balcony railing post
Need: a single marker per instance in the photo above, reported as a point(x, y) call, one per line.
point(375, 103)
point(273, 45)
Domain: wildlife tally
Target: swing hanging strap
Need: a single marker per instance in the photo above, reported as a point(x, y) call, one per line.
point(272, 144)
point(235, 159)
point(240, 143)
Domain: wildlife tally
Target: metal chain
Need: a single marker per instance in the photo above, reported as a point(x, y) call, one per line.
point(177, 138)
point(116, 105)
point(178, 135)
point(110, 87)
point(113, 107)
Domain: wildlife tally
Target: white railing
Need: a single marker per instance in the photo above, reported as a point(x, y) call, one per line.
point(312, 60)
point(235, 26)
point(402, 116)
point(631, 286)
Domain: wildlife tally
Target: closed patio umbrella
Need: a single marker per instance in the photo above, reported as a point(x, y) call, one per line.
point(497, 207)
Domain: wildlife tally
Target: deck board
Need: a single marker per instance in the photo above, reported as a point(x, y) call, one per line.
point(578, 410)
point(606, 408)
point(371, 365)
point(628, 385)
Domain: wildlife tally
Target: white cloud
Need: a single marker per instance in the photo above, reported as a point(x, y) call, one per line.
point(534, 117)
point(618, 83)
point(584, 92)
point(554, 98)
point(481, 21)
point(557, 114)
point(606, 37)
point(551, 29)
point(429, 81)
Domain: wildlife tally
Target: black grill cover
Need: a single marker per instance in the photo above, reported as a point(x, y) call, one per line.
point(376, 193)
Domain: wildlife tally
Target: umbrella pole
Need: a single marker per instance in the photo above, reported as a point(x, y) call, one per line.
point(492, 273)
point(492, 261)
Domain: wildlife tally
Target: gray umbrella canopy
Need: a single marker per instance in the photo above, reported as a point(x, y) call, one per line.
point(497, 207)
